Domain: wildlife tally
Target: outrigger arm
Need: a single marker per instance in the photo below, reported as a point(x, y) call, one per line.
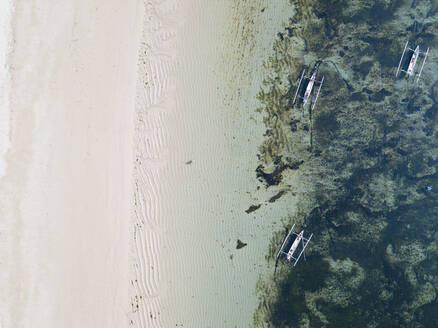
point(317, 94)
point(304, 253)
point(399, 64)
point(424, 61)
point(304, 248)
point(299, 83)
point(285, 240)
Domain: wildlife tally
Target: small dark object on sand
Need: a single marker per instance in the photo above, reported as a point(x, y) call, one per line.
point(240, 244)
point(253, 208)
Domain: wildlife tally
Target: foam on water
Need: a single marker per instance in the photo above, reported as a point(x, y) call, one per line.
point(6, 10)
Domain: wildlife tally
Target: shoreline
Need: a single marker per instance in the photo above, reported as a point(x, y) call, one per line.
point(87, 242)
point(195, 166)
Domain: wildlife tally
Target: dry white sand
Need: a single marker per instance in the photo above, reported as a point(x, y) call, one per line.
point(66, 197)
point(6, 10)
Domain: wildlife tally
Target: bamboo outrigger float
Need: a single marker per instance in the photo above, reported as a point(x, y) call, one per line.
point(299, 240)
point(410, 71)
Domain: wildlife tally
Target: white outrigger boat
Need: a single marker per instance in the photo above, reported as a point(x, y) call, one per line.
point(299, 239)
point(410, 71)
point(307, 93)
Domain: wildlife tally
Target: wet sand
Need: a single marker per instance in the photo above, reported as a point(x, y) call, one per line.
point(198, 137)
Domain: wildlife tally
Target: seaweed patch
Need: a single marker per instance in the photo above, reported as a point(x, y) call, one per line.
point(253, 208)
point(277, 196)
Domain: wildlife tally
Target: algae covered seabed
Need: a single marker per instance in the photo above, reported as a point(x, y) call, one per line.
point(357, 167)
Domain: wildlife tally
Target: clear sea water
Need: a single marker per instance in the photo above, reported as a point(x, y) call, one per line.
point(367, 154)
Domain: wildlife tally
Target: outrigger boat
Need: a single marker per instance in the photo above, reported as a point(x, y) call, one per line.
point(307, 93)
point(410, 71)
point(299, 239)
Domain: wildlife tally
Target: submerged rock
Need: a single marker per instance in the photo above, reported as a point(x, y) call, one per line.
point(253, 208)
point(240, 244)
point(276, 196)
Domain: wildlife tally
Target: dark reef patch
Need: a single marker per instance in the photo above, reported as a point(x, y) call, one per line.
point(428, 314)
point(290, 301)
point(358, 96)
point(377, 12)
point(431, 113)
point(380, 95)
point(325, 126)
point(363, 68)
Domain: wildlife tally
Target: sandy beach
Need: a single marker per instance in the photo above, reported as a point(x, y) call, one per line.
point(66, 195)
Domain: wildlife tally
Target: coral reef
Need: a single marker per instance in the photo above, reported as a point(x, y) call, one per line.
point(365, 157)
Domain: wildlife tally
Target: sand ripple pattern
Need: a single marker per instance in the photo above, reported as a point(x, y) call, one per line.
point(156, 66)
